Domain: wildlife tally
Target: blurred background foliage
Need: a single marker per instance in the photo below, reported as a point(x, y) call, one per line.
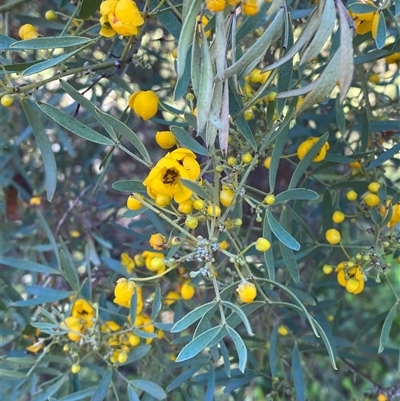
point(92, 220)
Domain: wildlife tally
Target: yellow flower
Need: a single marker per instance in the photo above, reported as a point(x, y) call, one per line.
point(305, 147)
point(153, 260)
point(127, 262)
point(123, 293)
point(187, 291)
point(395, 219)
point(75, 326)
point(158, 242)
point(50, 15)
point(27, 31)
point(367, 22)
point(144, 104)
point(133, 202)
point(35, 201)
point(333, 236)
point(84, 311)
point(250, 7)
point(186, 206)
point(351, 278)
point(165, 139)
point(172, 297)
point(7, 101)
point(164, 178)
point(262, 244)
point(123, 16)
point(393, 58)
point(216, 5)
point(282, 330)
point(106, 29)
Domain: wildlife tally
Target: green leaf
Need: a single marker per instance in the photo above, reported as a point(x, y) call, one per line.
point(133, 304)
point(362, 8)
point(157, 304)
point(328, 340)
point(387, 325)
point(136, 354)
point(241, 315)
point(102, 388)
point(41, 300)
point(49, 234)
point(283, 236)
point(272, 349)
point(6, 42)
point(68, 267)
point(340, 118)
point(126, 132)
point(240, 348)
point(276, 157)
point(209, 395)
point(49, 43)
point(11, 374)
point(73, 125)
point(168, 20)
point(296, 194)
point(307, 160)
point(298, 374)
point(88, 8)
point(132, 396)
point(27, 265)
point(192, 316)
point(130, 186)
point(44, 145)
point(183, 377)
point(188, 142)
point(183, 82)
point(198, 344)
point(79, 395)
point(196, 188)
point(385, 156)
point(369, 324)
point(44, 65)
point(150, 388)
point(186, 36)
point(290, 262)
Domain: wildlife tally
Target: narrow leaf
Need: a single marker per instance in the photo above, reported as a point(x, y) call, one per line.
point(129, 186)
point(49, 43)
point(44, 145)
point(240, 348)
point(281, 233)
point(196, 188)
point(241, 314)
point(387, 325)
point(102, 388)
point(68, 267)
point(298, 374)
point(27, 265)
point(272, 350)
point(192, 316)
point(73, 125)
point(188, 142)
point(150, 388)
point(296, 194)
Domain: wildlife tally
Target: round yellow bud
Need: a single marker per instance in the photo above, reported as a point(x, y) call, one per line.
point(247, 292)
point(50, 15)
point(191, 222)
point(232, 161)
point(216, 5)
point(187, 291)
point(214, 210)
point(352, 285)
point(198, 204)
point(157, 264)
point(165, 139)
point(272, 96)
point(144, 103)
point(372, 200)
point(238, 222)
point(247, 158)
point(172, 297)
point(374, 187)
point(333, 236)
point(133, 203)
point(27, 31)
point(75, 368)
point(226, 196)
point(186, 206)
point(262, 244)
point(248, 114)
point(327, 269)
point(134, 340)
point(338, 216)
point(267, 162)
point(163, 200)
point(283, 331)
point(224, 244)
point(269, 199)
point(122, 357)
point(7, 101)
point(351, 195)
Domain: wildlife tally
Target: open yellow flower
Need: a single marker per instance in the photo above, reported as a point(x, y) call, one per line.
point(106, 29)
point(128, 262)
point(395, 219)
point(165, 177)
point(144, 104)
point(123, 16)
point(76, 328)
point(305, 147)
point(84, 311)
point(123, 293)
point(158, 242)
point(351, 278)
point(367, 22)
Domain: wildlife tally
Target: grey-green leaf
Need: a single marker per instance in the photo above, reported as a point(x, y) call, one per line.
point(241, 314)
point(196, 188)
point(49, 43)
point(102, 388)
point(44, 145)
point(150, 388)
point(296, 194)
point(188, 142)
point(281, 233)
point(74, 125)
point(192, 316)
point(28, 265)
point(198, 344)
point(130, 186)
point(240, 348)
point(387, 325)
point(298, 374)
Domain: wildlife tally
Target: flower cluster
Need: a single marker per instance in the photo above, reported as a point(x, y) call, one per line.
point(249, 7)
point(80, 320)
point(120, 17)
